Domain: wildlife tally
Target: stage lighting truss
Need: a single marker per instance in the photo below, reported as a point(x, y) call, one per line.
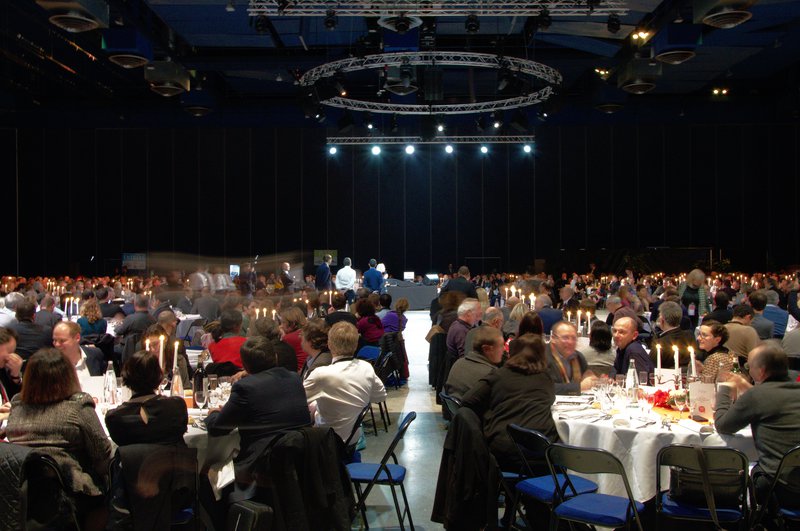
point(418, 140)
point(544, 73)
point(442, 8)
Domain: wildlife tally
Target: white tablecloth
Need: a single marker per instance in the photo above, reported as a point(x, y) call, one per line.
point(638, 447)
point(185, 323)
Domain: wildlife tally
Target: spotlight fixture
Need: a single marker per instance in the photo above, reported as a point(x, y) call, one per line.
point(472, 24)
point(613, 24)
point(376, 150)
point(409, 150)
point(484, 150)
point(716, 91)
point(440, 128)
point(262, 24)
point(339, 86)
point(592, 4)
point(330, 19)
point(544, 19)
point(496, 124)
point(368, 121)
point(448, 149)
point(402, 24)
point(480, 124)
point(526, 148)
point(504, 78)
point(394, 127)
point(230, 7)
point(602, 72)
point(319, 114)
point(640, 35)
point(332, 150)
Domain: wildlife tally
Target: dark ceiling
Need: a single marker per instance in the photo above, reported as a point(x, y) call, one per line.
point(239, 68)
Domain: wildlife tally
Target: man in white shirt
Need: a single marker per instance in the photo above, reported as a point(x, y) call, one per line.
point(67, 339)
point(346, 280)
point(337, 393)
point(8, 312)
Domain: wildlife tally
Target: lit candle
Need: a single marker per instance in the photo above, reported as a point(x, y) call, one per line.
point(513, 291)
point(569, 316)
point(506, 293)
point(273, 315)
point(175, 358)
point(588, 319)
point(161, 352)
point(147, 344)
point(257, 312)
point(691, 360)
point(676, 357)
point(330, 298)
point(579, 319)
point(658, 356)
point(532, 299)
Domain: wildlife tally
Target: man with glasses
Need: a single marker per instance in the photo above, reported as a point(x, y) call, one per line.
point(565, 365)
point(772, 410)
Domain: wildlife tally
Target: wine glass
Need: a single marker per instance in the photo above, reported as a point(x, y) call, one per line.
point(201, 395)
point(680, 400)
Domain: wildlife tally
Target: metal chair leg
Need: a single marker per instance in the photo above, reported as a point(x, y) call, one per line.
point(372, 415)
point(362, 505)
point(384, 411)
point(408, 509)
point(397, 507)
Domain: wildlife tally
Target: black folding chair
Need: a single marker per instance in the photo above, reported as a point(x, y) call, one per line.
point(590, 508)
point(48, 504)
point(349, 442)
point(789, 462)
point(383, 473)
point(531, 446)
point(726, 464)
point(451, 403)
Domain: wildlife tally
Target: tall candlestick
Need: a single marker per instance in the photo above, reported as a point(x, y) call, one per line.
point(579, 319)
point(330, 298)
point(161, 352)
point(691, 362)
point(658, 356)
point(175, 358)
point(273, 315)
point(676, 357)
point(257, 311)
point(147, 345)
point(506, 293)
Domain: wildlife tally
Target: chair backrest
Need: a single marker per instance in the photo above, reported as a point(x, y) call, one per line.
point(357, 424)
point(385, 368)
point(368, 353)
point(451, 403)
point(530, 444)
point(562, 457)
point(49, 505)
point(790, 460)
point(717, 458)
point(401, 432)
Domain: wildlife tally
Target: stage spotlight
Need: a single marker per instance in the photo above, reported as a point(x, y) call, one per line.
point(526, 148)
point(613, 24)
point(448, 149)
point(472, 24)
point(440, 127)
point(319, 114)
point(332, 150)
point(409, 150)
point(368, 121)
point(376, 150)
point(330, 19)
point(544, 19)
point(496, 124)
point(484, 150)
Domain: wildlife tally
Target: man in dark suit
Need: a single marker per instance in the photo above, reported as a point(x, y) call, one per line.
point(206, 305)
point(286, 279)
point(339, 303)
point(322, 280)
point(107, 308)
point(461, 283)
point(160, 303)
point(47, 315)
point(549, 315)
point(269, 399)
point(30, 336)
point(721, 313)
point(134, 325)
point(671, 334)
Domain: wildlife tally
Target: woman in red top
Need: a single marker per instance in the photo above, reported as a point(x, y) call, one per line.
point(369, 325)
point(292, 321)
point(230, 339)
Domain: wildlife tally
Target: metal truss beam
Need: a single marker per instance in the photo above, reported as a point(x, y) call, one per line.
point(467, 139)
point(464, 59)
point(442, 8)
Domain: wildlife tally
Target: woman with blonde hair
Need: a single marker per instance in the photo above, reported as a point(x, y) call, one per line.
point(91, 320)
point(694, 295)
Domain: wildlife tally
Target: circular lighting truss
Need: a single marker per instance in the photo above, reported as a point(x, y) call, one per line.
point(542, 72)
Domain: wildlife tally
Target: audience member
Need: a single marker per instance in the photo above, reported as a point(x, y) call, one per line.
point(87, 361)
point(91, 320)
point(47, 315)
point(469, 312)
point(742, 338)
point(293, 319)
point(30, 336)
point(565, 365)
point(482, 359)
point(226, 345)
point(776, 314)
point(721, 313)
point(625, 334)
point(339, 313)
point(395, 320)
point(598, 355)
point(715, 355)
point(763, 326)
point(314, 340)
point(10, 365)
point(385, 304)
point(549, 315)
point(369, 325)
point(269, 329)
point(461, 282)
point(671, 334)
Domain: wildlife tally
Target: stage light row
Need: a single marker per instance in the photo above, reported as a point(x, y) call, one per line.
point(409, 149)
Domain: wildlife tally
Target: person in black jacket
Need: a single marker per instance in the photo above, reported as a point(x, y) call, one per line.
point(461, 283)
point(521, 392)
point(147, 418)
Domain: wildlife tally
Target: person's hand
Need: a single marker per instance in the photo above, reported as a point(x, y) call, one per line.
point(238, 376)
point(14, 365)
point(214, 410)
point(5, 408)
point(588, 383)
point(739, 383)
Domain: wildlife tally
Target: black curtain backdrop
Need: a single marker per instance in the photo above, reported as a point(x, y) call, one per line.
point(73, 194)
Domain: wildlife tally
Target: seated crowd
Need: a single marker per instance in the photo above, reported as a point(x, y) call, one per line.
point(508, 350)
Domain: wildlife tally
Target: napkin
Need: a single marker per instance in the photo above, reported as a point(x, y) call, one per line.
point(702, 429)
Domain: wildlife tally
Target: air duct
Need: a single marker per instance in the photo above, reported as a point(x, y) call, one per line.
point(126, 47)
point(639, 76)
point(722, 14)
point(675, 43)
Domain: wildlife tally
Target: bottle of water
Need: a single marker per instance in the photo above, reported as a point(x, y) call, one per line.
point(632, 384)
point(110, 385)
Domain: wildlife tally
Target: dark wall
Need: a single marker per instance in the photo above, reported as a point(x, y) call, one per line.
point(241, 192)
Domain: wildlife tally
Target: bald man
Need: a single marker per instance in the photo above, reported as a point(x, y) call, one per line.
point(628, 348)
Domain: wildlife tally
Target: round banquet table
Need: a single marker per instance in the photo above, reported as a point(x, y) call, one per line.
point(637, 445)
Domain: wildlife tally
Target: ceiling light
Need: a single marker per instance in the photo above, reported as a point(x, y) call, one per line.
point(717, 91)
point(319, 115)
point(409, 150)
point(526, 148)
point(472, 24)
point(613, 24)
point(332, 150)
point(330, 19)
point(448, 149)
point(368, 121)
point(496, 124)
point(440, 127)
point(339, 86)
point(376, 150)
point(544, 19)
point(484, 150)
